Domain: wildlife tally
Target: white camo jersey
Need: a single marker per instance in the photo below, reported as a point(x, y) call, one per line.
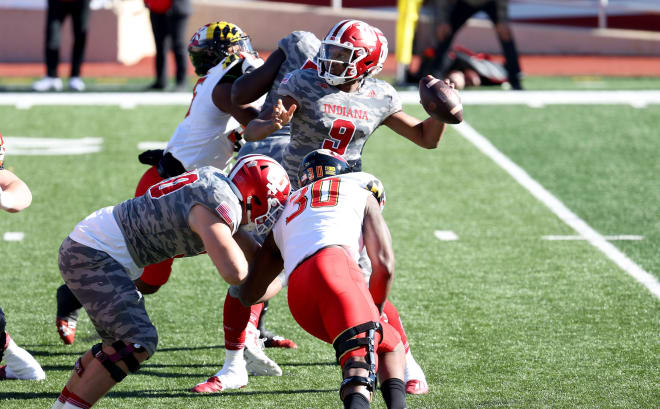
point(300, 49)
point(202, 138)
point(332, 119)
point(327, 212)
point(155, 225)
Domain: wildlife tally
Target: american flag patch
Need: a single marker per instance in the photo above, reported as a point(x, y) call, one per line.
point(286, 78)
point(225, 212)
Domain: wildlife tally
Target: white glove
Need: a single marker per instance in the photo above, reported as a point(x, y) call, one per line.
point(7, 200)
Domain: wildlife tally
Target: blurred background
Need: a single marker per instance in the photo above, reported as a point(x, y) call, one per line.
point(618, 38)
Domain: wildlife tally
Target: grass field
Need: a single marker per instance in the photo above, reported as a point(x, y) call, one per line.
point(500, 317)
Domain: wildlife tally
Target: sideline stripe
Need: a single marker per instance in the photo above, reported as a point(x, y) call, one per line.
point(558, 208)
point(129, 100)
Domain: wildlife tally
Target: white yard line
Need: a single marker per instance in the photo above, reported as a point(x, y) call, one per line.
point(13, 236)
point(558, 208)
point(128, 100)
point(616, 237)
point(445, 235)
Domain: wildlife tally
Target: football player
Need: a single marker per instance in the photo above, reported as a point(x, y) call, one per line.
point(15, 196)
point(208, 135)
point(317, 240)
point(337, 107)
point(195, 212)
point(297, 50)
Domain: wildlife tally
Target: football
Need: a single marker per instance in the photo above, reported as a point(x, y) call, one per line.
point(440, 101)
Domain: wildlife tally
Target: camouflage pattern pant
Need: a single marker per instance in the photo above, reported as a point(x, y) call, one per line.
point(103, 287)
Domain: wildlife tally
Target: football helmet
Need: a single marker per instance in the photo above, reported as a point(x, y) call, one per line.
point(319, 164)
point(2, 152)
point(375, 186)
point(214, 42)
point(262, 186)
point(351, 50)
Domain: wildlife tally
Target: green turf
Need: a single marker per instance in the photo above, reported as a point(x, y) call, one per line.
point(498, 318)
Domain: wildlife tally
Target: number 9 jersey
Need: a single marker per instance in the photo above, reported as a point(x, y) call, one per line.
point(324, 213)
point(327, 118)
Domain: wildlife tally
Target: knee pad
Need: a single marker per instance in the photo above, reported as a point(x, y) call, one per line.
point(124, 352)
point(346, 342)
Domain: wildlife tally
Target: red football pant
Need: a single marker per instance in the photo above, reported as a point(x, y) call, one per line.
point(154, 274)
point(328, 295)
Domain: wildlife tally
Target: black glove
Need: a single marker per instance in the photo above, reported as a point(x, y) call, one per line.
point(151, 157)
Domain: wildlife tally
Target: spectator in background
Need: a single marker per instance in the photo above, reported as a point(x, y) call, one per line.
point(57, 12)
point(169, 19)
point(450, 17)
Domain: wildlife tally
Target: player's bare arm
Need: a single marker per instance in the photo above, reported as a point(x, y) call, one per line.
point(378, 242)
point(261, 283)
point(14, 193)
point(219, 243)
point(248, 244)
point(222, 99)
point(250, 86)
point(426, 133)
point(269, 122)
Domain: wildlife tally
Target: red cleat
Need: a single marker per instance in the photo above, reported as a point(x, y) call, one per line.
point(218, 384)
point(280, 342)
point(67, 330)
point(3, 372)
point(416, 387)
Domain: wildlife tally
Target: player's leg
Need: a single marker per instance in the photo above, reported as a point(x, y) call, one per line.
point(273, 146)
point(243, 350)
point(117, 311)
point(68, 310)
point(414, 375)
point(345, 316)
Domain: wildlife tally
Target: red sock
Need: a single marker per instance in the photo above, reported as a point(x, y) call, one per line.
point(235, 318)
point(64, 395)
point(394, 320)
point(77, 401)
point(255, 313)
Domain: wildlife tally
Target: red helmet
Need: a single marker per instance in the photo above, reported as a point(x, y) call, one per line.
point(351, 50)
point(262, 186)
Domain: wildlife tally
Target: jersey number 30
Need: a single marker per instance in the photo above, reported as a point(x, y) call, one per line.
point(325, 192)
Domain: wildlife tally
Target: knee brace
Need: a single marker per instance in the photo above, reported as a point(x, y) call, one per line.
point(124, 352)
point(346, 342)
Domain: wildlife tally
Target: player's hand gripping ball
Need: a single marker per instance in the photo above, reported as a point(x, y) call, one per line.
point(440, 100)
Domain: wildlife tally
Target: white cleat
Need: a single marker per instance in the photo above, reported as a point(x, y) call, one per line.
point(224, 380)
point(47, 84)
point(76, 84)
point(257, 363)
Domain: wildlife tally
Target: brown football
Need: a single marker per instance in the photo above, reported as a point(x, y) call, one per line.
point(440, 101)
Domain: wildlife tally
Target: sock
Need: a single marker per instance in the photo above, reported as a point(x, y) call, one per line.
point(76, 402)
point(235, 318)
point(394, 393)
point(394, 320)
point(233, 358)
point(61, 400)
point(68, 306)
point(356, 401)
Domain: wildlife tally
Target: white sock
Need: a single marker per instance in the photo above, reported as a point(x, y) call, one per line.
point(58, 404)
point(21, 365)
point(69, 405)
point(412, 369)
point(233, 359)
